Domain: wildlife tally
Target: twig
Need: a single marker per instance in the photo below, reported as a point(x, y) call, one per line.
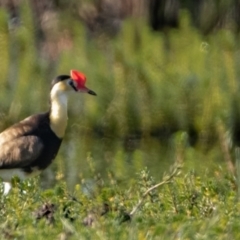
point(225, 148)
point(167, 180)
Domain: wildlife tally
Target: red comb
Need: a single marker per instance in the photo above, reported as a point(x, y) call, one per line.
point(79, 77)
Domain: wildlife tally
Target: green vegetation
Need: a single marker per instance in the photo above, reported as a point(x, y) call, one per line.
point(188, 207)
point(144, 80)
point(162, 99)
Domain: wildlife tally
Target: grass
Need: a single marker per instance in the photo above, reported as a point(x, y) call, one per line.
point(146, 81)
point(188, 207)
point(162, 98)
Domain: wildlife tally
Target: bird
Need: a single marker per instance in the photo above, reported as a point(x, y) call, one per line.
point(29, 146)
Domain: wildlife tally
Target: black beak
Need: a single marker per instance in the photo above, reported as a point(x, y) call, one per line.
point(92, 92)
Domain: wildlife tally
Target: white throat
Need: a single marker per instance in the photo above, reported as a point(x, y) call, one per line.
point(58, 114)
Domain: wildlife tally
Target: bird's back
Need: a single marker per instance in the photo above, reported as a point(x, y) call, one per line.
point(29, 144)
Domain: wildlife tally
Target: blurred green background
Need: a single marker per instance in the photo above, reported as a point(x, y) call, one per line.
point(166, 75)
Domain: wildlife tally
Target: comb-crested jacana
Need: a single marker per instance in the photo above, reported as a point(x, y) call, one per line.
point(31, 145)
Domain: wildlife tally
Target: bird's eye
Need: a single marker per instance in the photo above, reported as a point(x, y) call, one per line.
point(71, 83)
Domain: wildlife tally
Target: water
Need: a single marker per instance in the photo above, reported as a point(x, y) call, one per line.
point(91, 159)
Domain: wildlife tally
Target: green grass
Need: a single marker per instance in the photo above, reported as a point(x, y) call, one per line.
point(145, 81)
point(189, 207)
point(161, 84)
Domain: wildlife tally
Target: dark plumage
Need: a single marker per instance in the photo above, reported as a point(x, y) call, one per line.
point(59, 79)
point(31, 145)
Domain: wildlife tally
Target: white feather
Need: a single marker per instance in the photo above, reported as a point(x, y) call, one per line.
point(6, 188)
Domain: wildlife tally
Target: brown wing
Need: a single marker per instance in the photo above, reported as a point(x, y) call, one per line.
point(17, 130)
point(19, 146)
point(20, 152)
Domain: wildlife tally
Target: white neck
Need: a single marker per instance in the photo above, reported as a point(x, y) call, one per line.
point(58, 113)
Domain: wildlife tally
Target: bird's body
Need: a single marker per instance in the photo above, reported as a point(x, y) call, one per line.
point(28, 147)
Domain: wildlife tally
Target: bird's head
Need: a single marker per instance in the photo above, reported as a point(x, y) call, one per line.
point(73, 83)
